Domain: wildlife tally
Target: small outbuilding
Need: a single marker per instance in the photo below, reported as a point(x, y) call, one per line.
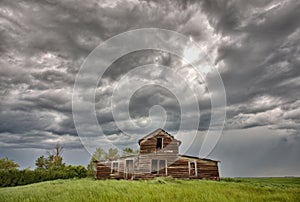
point(159, 156)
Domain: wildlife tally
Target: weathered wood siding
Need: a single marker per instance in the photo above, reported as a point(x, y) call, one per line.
point(179, 169)
point(170, 145)
point(206, 169)
point(177, 166)
point(148, 151)
point(103, 171)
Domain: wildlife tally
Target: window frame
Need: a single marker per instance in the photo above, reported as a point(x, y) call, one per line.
point(112, 168)
point(157, 169)
point(195, 167)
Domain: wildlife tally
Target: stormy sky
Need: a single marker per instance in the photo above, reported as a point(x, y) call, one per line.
point(254, 45)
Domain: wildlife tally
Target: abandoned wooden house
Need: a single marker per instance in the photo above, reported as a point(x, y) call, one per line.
point(159, 156)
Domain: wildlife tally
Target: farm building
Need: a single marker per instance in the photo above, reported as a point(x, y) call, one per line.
point(158, 156)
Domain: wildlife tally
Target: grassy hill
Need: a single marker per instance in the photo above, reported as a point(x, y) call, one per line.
point(160, 189)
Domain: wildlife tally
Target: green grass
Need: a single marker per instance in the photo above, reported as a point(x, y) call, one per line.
point(160, 189)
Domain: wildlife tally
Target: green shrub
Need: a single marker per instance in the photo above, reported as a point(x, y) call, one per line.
point(22, 177)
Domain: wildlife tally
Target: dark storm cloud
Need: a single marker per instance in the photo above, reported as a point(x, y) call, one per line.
point(139, 58)
point(261, 54)
point(43, 44)
point(149, 96)
point(255, 46)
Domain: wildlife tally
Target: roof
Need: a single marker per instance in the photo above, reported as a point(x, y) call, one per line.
point(194, 157)
point(128, 156)
point(155, 133)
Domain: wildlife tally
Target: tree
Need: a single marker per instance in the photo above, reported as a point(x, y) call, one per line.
point(56, 153)
point(7, 164)
point(112, 154)
point(129, 151)
point(54, 159)
point(40, 163)
point(54, 162)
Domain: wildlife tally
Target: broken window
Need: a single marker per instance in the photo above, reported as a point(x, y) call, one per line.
point(129, 169)
point(193, 168)
point(162, 166)
point(154, 164)
point(158, 166)
point(115, 167)
point(159, 143)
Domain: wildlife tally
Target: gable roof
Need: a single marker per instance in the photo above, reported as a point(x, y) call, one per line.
point(156, 132)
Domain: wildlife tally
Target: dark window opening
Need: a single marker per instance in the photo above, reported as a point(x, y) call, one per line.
point(161, 167)
point(193, 169)
point(159, 143)
point(115, 168)
point(154, 164)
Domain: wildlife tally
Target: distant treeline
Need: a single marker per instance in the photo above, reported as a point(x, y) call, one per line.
point(14, 177)
point(52, 167)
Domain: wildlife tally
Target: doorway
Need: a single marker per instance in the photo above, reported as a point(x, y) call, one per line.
point(129, 169)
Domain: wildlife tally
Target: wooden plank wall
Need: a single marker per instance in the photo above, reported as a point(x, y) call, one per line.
point(179, 169)
point(103, 171)
point(170, 145)
point(208, 169)
point(148, 151)
point(178, 166)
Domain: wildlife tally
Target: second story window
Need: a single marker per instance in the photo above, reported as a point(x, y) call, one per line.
point(159, 143)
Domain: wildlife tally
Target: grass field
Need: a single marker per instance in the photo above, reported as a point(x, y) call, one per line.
point(160, 189)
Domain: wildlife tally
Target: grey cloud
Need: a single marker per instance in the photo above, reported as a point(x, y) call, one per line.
point(259, 55)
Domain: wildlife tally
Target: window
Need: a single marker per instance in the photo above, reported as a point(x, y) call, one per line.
point(159, 143)
point(115, 167)
point(193, 168)
point(161, 166)
point(158, 166)
point(154, 164)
